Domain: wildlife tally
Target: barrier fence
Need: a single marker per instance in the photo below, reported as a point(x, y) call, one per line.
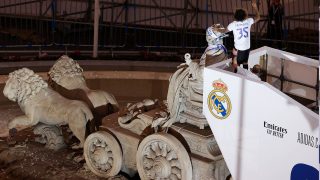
point(156, 25)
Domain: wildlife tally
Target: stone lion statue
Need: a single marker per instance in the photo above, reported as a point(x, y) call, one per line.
point(41, 104)
point(66, 77)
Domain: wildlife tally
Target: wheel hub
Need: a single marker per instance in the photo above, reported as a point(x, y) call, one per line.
point(162, 167)
point(100, 156)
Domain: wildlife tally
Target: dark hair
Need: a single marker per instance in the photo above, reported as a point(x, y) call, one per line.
point(256, 69)
point(240, 15)
point(228, 177)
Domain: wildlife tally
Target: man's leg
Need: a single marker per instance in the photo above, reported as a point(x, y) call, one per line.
point(245, 65)
point(243, 57)
point(234, 60)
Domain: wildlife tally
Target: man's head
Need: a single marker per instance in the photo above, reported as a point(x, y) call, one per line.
point(256, 69)
point(240, 15)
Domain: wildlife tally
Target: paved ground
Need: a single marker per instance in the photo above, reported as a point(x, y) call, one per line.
point(24, 158)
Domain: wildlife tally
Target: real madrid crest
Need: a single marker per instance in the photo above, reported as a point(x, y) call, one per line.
point(218, 101)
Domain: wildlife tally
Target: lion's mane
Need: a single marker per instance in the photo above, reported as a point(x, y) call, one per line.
point(29, 84)
point(65, 66)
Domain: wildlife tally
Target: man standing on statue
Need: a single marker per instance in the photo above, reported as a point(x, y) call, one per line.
point(241, 31)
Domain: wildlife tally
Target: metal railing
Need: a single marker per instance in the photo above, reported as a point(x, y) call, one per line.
point(155, 25)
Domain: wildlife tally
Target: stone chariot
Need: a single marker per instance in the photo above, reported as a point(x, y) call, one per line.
point(163, 140)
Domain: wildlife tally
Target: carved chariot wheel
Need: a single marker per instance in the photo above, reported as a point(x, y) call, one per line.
point(103, 154)
point(162, 156)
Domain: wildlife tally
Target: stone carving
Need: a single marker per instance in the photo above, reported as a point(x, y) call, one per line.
point(179, 144)
point(103, 154)
point(41, 104)
point(215, 51)
point(50, 135)
point(185, 89)
point(133, 118)
point(66, 77)
point(162, 156)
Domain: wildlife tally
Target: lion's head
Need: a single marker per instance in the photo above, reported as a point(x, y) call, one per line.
point(66, 72)
point(23, 84)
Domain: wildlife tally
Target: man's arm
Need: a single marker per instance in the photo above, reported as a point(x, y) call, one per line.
point(255, 8)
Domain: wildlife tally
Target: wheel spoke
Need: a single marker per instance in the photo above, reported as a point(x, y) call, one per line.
point(107, 166)
point(176, 171)
point(109, 154)
point(149, 153)
point(148, 163)
point(98, 143)
point(95, 164)
point(171, 155)
point(95, 141)
point(110, 160)
point(107, 148)
point(155, 147)
point(103, 144)
point(173, 177)
point(91, 148)
point(174, 163)
point(164, 151)
point(104, 167)
point(151, 173)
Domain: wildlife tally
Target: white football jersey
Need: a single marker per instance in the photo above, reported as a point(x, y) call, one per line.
point(241, 33)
